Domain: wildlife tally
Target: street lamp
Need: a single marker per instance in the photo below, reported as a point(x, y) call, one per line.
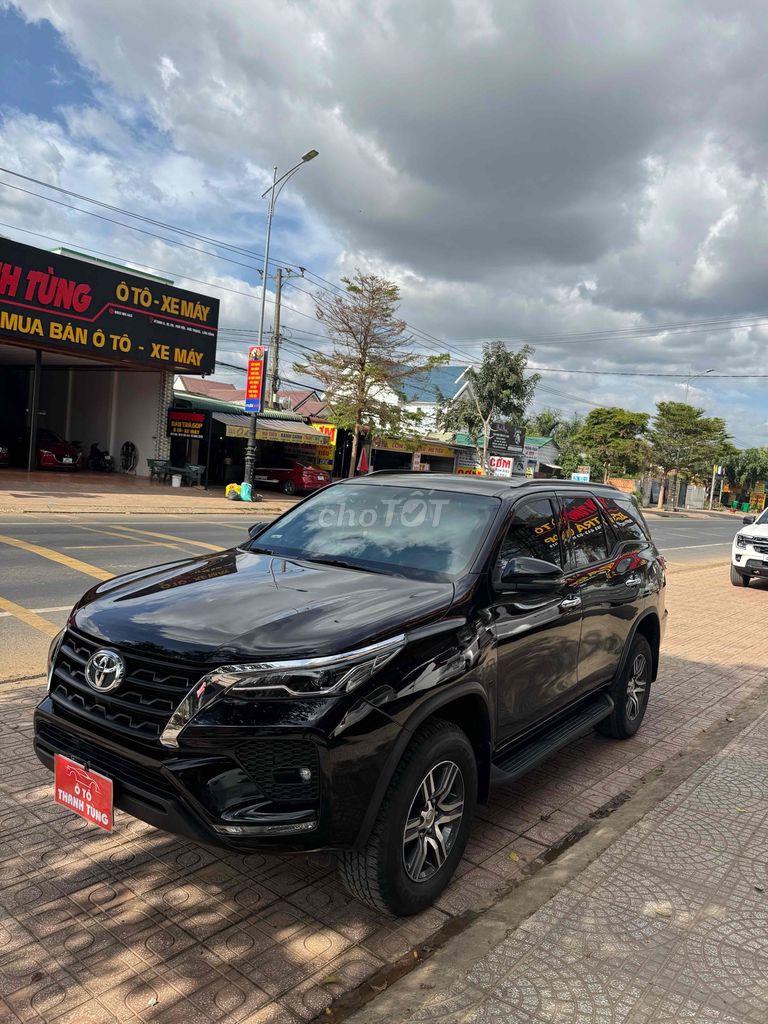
point(695, 376)
point(273, 192)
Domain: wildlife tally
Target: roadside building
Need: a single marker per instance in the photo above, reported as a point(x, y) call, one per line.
point(88, 351)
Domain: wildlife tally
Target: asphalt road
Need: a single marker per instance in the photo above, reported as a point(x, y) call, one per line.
point(48, 561)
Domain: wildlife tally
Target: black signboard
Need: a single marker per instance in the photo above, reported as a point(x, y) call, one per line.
point(185, 423)
point(504, 439)
point(78, 308)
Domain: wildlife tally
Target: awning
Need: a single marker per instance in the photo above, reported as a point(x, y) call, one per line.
point(271, 430)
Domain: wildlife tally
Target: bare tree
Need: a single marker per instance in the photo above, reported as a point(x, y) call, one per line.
point(363, 375)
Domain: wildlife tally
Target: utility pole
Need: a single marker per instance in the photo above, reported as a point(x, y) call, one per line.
point(275, 353)
point(712, 486)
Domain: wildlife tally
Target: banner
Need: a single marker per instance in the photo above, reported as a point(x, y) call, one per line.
point(185, 423)
point(78, 308)
point(504, 439)
point(257, 375)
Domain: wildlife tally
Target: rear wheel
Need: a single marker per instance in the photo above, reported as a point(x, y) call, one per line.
point(289, 487)
point(630, 693)
point(422, 826)
point(738, 579)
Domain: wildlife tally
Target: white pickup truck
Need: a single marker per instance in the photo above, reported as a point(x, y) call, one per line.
point(749, 555)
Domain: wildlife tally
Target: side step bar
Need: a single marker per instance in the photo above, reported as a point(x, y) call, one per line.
point(524, 758)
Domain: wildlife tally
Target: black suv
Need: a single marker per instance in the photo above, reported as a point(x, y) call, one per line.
point(346, 679)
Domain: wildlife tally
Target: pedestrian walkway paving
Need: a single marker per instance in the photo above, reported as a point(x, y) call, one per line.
point(669, 925)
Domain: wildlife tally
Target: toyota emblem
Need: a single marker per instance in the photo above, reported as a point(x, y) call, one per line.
point(104, 670)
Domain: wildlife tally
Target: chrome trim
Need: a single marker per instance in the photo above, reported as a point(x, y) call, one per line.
point(216, 683)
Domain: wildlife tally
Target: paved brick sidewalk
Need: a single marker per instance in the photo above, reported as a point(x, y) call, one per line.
point(669, 925)
point(140, 926)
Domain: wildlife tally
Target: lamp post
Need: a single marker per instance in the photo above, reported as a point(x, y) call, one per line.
point(273, 192)
point(695, 376)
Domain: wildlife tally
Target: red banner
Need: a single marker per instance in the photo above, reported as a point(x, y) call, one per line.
point(257, 372)
point(85, 792)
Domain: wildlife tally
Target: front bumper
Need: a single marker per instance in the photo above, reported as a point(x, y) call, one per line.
point(243, 796)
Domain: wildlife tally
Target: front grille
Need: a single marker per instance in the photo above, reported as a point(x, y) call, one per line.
point(274, 765)
point(760, 545)
point(93, 756)
point(140, 707)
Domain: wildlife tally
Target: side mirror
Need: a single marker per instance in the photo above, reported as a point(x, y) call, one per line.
point(530, 574)
point(256, 528)
point(748, 520)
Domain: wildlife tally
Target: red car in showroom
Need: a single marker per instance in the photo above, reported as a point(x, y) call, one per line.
point(292, 475)
point(53, 452)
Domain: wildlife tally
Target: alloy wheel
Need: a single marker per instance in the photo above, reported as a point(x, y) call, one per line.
point(637, 684)
point(433, 821)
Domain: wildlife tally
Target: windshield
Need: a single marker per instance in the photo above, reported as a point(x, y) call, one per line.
point(412, 530)
point(763, 519)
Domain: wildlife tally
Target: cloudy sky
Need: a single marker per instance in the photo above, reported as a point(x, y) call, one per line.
point(577, 175)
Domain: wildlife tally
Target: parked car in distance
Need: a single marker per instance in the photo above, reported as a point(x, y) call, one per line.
point(52, 451)
point(292, 476)
point(749, 554)
point(347, 678)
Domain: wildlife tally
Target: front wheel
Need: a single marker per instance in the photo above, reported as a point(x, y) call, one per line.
point(630, 693)
point(289, 487)
point(422, 826)
point(738, 579)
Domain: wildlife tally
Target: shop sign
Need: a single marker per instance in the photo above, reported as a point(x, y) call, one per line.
point(386, 444)
point(270, 434)
point(504, 439)
point(416, 462)
point(440, 451)
point(329, 429)
point(257, 373)
point(500, 465)
point(580, 478)
point(78, 308)
point(185, 423)
point(468, 462)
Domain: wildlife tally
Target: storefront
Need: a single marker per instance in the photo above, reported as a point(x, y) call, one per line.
point(281, 438)
point(88, 352)
point(420, 456)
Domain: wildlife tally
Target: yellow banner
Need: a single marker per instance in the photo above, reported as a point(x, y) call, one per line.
point(266, 434)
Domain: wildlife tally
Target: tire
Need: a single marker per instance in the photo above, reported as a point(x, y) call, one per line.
point(382, 873)
point(289, 487)
point(738, 579)
point(630, 693)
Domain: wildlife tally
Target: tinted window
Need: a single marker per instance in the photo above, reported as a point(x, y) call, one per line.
point(584, 525)
point(625, 518)
point(393, 529)
point(532, 533)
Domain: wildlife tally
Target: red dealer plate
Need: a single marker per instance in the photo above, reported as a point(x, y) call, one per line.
point(85, 792)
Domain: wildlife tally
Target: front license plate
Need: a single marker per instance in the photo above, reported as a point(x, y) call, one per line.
point(67, 458)
point(85, 792)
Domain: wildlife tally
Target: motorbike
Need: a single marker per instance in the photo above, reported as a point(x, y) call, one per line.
point(100, 461)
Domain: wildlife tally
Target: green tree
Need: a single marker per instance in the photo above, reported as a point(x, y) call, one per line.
point(563, 429)
point(497, 390)
point(745, 468)
point(612, 439)
point(544, 423)
point(684, 442)
point(363, 375)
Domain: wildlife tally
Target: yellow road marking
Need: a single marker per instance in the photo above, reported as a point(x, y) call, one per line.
point(56, 556)
point(170, 536)
point(30, 618)
point(106, 544)
point(123, 536)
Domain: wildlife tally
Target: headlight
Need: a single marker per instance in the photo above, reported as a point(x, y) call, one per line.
point(53, 650)
point(741, 540)
point(306, 677)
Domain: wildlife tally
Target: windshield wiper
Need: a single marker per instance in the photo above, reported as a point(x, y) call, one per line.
point(342, 564)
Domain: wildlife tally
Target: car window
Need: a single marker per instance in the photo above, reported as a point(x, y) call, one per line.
point(389, 528)
point(583, 525)
point(532, 533)
point(625, 518)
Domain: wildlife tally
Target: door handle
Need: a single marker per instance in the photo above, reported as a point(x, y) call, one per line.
point(570, 602)
point(634, 580)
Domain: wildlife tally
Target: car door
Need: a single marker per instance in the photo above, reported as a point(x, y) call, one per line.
point(537, 634)
point(602, 573)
